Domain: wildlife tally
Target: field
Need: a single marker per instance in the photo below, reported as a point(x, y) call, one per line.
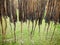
point(37, 38)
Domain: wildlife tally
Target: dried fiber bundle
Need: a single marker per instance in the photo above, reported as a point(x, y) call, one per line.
point(14, 14)
point(8, 8)
point(0, 8)
point(20, 7)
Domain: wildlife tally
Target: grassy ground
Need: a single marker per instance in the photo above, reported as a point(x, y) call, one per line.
point(36, 39)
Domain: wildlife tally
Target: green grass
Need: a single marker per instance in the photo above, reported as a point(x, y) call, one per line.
point(36, 39)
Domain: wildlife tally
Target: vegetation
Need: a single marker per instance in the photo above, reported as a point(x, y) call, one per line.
point(36, 40)
point(29, 22)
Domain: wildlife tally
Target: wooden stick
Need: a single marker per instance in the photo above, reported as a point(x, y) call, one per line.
point(14, 33)
point(53, 32)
